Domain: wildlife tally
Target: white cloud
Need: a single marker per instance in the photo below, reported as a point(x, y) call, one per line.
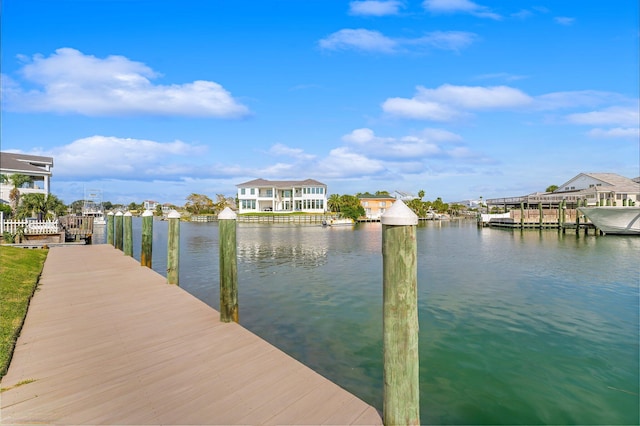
point(419, 109)
point(618, 132)
point(620, 116)
point(374, 41)
point(123, 158)
point(297, 153)
point(69, 81)
point(563, 20)
point(444, 40)
point(576, 98)
point(475, 97)
point(358, 39)
point(375, 8)
point(342, 162)
point(359, 136)
point(459, 6)
point(428, 143)
point(448, 102)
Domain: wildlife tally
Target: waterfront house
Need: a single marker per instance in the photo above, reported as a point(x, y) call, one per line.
point(375, 205)
point(602, 188)
point(261, 195)
point(37, 168)
point(596, 188)
point(150, 204)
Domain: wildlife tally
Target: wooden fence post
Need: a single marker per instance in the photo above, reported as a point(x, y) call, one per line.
point(147, 238)
point(128, 234)
point(173, 248)
point(118, 231)
point(401, 392)
point(110, 228)
point(228, 266)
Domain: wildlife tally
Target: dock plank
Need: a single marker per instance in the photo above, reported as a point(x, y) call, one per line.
point(107, 341)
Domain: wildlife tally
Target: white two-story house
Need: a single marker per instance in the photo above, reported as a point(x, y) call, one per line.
point(37, 168)
point(260, 195)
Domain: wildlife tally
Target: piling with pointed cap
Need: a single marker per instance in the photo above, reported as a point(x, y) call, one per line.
point(228, 266)
point(401, 392)
point(118, 231)
point(110, 228)
point(128, 234)
point(147, 238)
point(173, 248)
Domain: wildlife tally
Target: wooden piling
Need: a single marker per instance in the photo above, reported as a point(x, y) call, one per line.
point(118, 231)
point(541, 214)
point(173, 248)
point(110, 228)
point(127, 225)
point(521, 215)
point(228, 266)
point(401, 392)
point(147, 239)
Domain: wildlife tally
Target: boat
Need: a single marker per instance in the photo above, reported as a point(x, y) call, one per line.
point(92, 206)
point(338, 222)
point(614, 220)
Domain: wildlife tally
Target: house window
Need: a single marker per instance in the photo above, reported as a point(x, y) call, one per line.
point(242, 191)
point(253, 191)
point(286, 193)
point(365, 203)
point(269, 192)
point(382, 204)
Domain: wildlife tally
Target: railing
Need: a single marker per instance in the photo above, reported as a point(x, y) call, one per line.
point(30, 226)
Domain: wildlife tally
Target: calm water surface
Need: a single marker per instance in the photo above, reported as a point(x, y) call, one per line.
point(515, 327)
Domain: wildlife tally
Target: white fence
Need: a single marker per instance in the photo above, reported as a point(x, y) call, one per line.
point(29, 226)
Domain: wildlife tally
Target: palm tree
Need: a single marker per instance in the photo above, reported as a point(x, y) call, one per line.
point(333, 203)
point(421, 194)
point(44, 206)
point(14, 196)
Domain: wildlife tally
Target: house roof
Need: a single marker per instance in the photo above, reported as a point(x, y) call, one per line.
point(368, 196)
point(620, 183)
point(22, 163)
point(280, 183)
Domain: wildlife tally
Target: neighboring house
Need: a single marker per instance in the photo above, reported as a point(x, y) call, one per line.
point(166, 208)
point(596, 188)
point(150, 205)
point(375, 205)
point(601, 188)
point(260, 195)
point(36, 167)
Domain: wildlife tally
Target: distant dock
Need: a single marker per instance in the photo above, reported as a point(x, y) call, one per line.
point(107, 341)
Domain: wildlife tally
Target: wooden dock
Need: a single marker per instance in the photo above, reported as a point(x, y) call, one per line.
point(107, 341)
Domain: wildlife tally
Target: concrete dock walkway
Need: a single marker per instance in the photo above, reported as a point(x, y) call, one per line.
point(107, 341)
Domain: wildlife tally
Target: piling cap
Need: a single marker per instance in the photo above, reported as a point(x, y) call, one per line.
point(119, 213)
point(147, 213)
point(227, 213)
point(110, 214)
point(128, 214)
point(173, 215)
point(399, 214)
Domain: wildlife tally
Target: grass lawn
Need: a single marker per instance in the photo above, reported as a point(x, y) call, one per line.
point(19, 272)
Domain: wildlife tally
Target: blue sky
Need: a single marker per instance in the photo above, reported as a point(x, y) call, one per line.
point(153, 99)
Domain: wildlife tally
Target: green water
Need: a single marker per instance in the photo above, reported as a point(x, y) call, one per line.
point(515, 328)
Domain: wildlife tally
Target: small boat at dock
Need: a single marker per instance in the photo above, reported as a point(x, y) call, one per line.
point(338, 222)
